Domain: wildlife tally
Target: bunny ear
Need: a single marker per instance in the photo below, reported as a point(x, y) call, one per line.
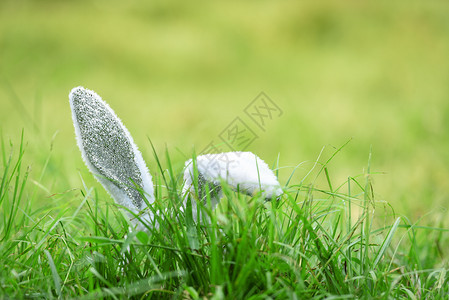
point(109, 150)
point(243, 171)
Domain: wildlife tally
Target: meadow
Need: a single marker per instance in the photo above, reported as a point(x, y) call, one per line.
point(357, 134)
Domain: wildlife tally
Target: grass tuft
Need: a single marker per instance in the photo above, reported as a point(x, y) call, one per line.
point(315, 242)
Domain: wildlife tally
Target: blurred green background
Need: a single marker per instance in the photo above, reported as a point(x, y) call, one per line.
point(180, 72)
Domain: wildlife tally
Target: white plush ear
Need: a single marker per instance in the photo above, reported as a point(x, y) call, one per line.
point(242, 171)
point(109, 151)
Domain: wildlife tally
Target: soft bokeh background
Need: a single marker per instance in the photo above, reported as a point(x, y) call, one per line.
point(180, 72)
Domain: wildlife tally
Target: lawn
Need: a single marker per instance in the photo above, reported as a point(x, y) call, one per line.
point(354, 124)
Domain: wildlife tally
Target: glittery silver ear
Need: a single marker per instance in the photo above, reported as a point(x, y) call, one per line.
point(109, 151)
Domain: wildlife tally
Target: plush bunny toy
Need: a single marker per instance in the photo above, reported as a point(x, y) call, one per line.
point(114, 159)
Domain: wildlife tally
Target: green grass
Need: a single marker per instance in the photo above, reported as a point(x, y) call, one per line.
point(338, 242)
